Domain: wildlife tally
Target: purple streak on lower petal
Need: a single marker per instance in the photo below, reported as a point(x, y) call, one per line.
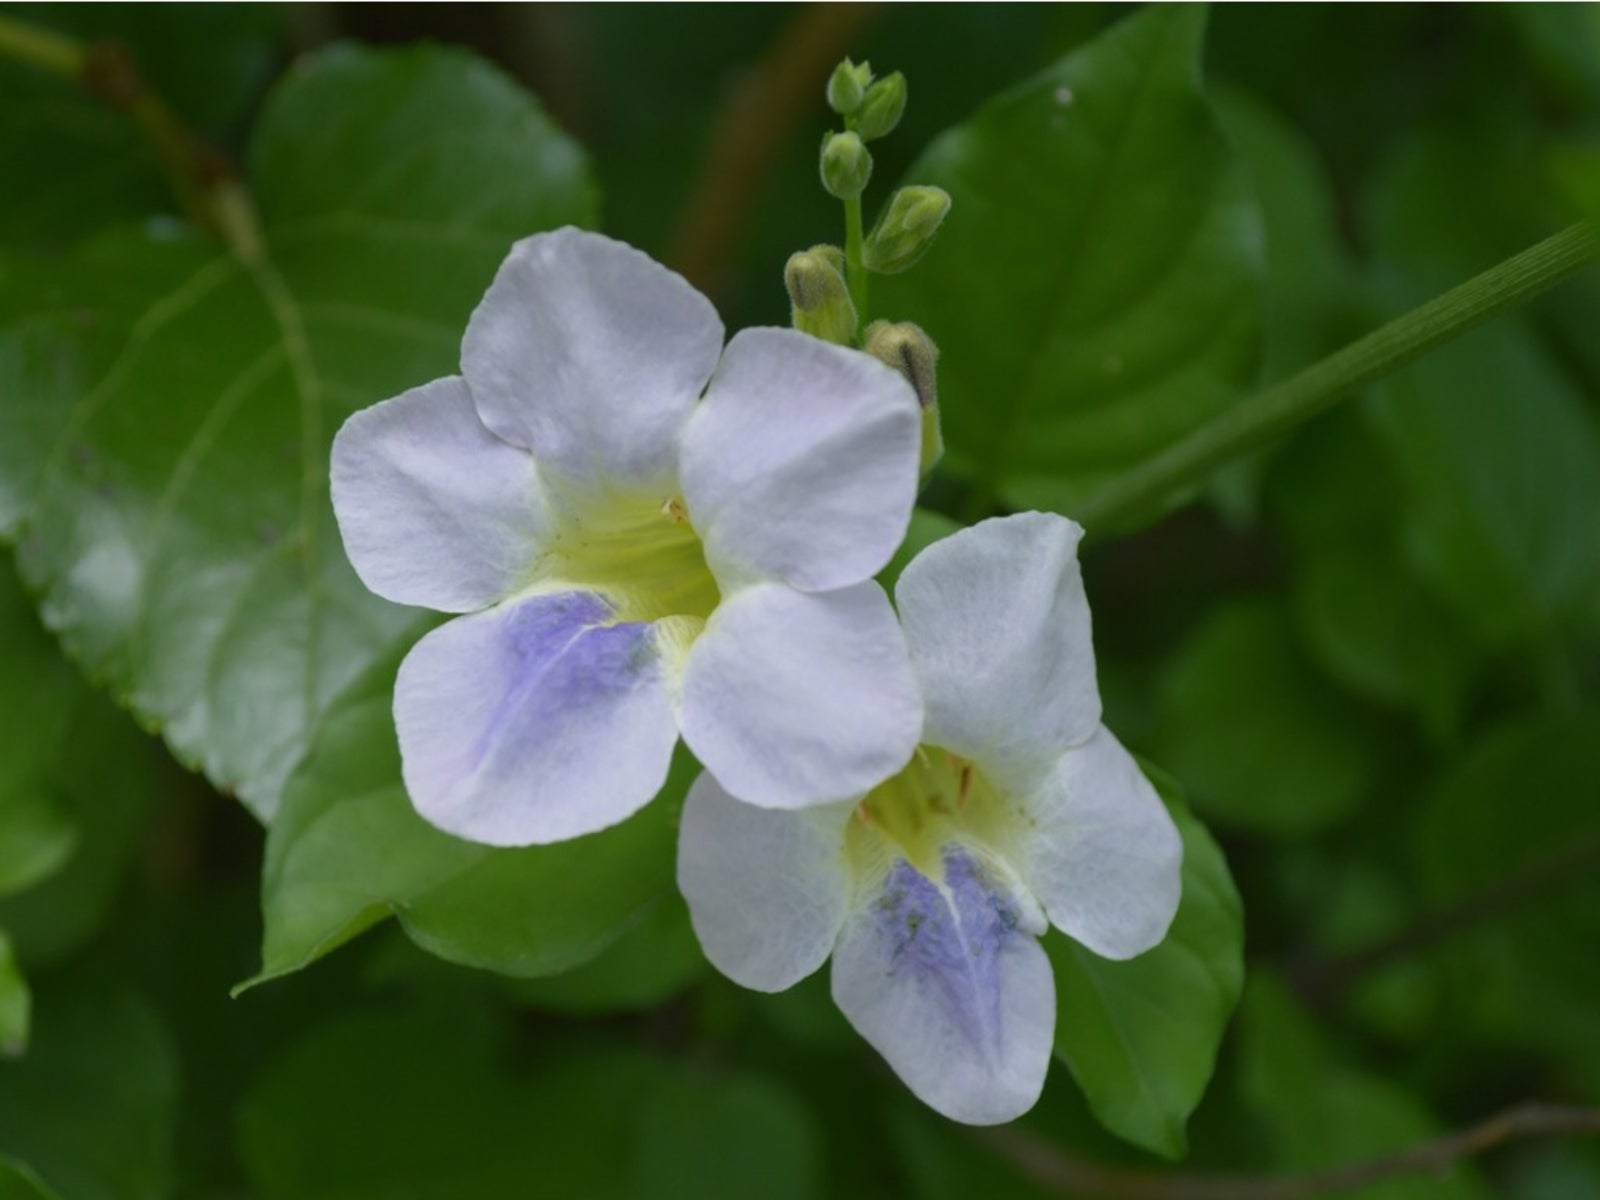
point(952, 939)
point(564, 654)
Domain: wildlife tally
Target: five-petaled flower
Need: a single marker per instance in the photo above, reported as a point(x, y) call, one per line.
point(1019, 810)
point(649, 535)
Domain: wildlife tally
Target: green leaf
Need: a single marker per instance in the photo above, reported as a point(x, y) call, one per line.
point(164, 435)
point(16, 1003)
point(1366, 617)
point(347, 849)
point(1380, 635)
point(18, 1182)
point(76, 778)
point(1320, 1112)
point(647, 966)
point(1260, 739)
point(109, 776)
point(1141, 1036)
point(1094, 291)
point(90, 1109)
point(1501, 462)
point(1518, 813)
point(37, 693)
point(1310, 284)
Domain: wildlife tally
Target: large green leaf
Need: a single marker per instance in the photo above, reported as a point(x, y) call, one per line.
point(1141, 1036)
point(164, 436)
point(1094, 291)
point(1318, 1111)
point(90, 1108)
point(347, 849)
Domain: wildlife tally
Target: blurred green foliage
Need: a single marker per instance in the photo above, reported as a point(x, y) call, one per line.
point(1371, 653)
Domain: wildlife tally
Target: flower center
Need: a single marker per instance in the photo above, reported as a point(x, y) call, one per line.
point(939, 797)
point(641, 553)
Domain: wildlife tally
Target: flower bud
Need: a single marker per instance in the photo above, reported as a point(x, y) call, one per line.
point(882, 107)
point(846, 165)
point(847, 85)
point(906, 229)
point(819, 298)
point(906, 348)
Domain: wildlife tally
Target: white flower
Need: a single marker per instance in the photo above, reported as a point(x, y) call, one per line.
point(1020, 809)
point(638, 560)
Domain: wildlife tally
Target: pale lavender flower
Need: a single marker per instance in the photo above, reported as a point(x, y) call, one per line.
point(651, 535)
point(1019, 811)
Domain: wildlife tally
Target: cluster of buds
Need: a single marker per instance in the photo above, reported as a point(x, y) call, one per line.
point(826, 285)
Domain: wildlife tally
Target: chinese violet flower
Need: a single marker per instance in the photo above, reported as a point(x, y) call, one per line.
point(1020, 810)
point(650, 535)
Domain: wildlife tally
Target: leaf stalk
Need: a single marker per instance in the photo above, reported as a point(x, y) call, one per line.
point(1281, 407)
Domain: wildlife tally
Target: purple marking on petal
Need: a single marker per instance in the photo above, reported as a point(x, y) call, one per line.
point(565, 655)
point(952, 939)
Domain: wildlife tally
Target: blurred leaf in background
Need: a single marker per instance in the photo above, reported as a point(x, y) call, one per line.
point(90, 1107)
point(82, 165)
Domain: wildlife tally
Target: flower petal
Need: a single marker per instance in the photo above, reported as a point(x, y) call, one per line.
point(435, 510)
point(792, 699)
point(997, 624)
point(533, 722)
point(767, 890)
point(592, 355)
point(1106, 860)
point(951, 986)
point(801, 464)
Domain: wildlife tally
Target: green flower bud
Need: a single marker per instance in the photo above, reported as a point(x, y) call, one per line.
point(818, 295)
point(908, 350)
point(882, 107)
point(846, 165)
point(847, 85)
point(906, 229)
point(911, 352)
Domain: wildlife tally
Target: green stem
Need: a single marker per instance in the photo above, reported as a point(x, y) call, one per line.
point(42, 47)
point(1285, 405)
point(855, 270)
point(203, 182)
